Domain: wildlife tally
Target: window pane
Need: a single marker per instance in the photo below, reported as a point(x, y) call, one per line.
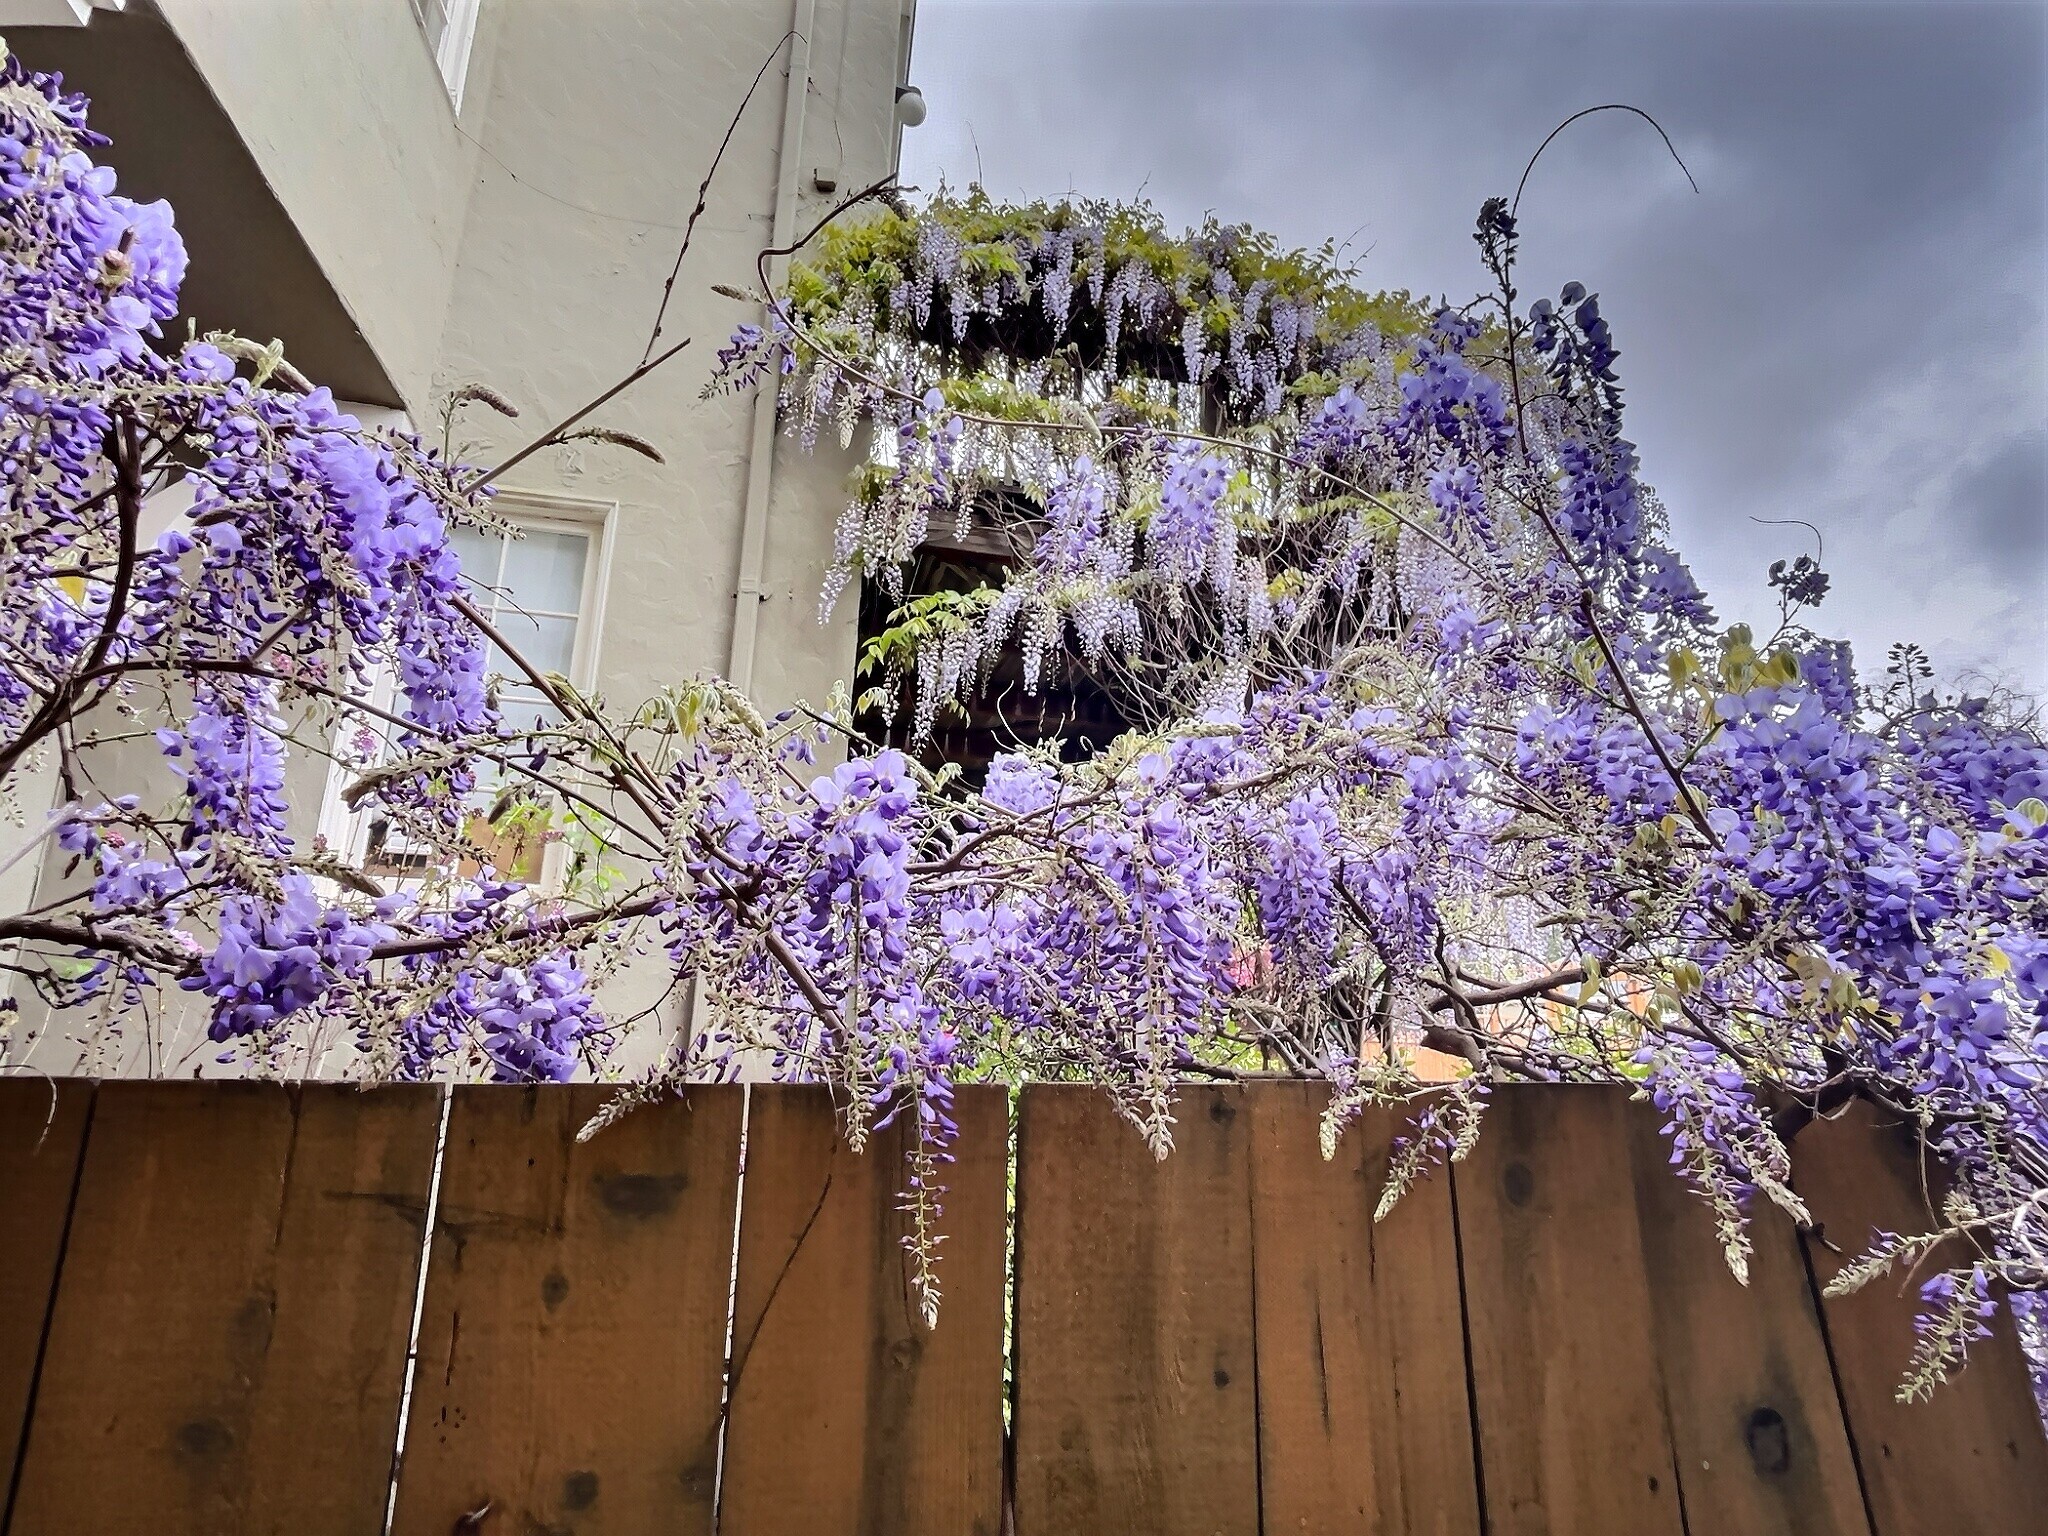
point(544, 571)
point(478, 552)
point(433, 15)
point(549, 644)
point(524, 710)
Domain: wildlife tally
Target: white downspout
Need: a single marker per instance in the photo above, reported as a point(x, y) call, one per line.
point(746, 613)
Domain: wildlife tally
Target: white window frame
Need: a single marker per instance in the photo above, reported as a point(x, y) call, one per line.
point(451, 53)
point(546, 513)
point(346, 832)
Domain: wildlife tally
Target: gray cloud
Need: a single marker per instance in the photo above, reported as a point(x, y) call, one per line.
point(2002, 503)
point(1845, 325)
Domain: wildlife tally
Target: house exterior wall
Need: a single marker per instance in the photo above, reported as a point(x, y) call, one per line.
point(524, 245)
point(552, 303)
point(344, 111)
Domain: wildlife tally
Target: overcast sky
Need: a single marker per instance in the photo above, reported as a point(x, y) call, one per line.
point(1845, 325)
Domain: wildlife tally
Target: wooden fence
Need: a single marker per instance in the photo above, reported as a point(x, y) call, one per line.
point(207, 1293)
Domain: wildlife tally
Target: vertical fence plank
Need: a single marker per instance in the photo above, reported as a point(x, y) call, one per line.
point(1756, 1426)
point(573, 1335)
point(162, 1323)
point(848, 1416)
point(1135, 1399)
point(42, 1137)
point(346, 1275)
point(228, 1343)
point(1971, 1458)
point(1364, 1419)
point(1572, 1432)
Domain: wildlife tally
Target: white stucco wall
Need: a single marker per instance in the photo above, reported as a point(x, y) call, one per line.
point(552, 303)
point(344, 110)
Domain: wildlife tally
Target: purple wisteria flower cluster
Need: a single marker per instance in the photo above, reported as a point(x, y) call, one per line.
point(1456, 755)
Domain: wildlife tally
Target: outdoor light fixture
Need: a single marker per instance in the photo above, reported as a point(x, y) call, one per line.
point(909, 105)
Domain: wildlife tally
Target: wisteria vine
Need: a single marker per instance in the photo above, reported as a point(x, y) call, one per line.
point(1436, 752)
point(1468, 763)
